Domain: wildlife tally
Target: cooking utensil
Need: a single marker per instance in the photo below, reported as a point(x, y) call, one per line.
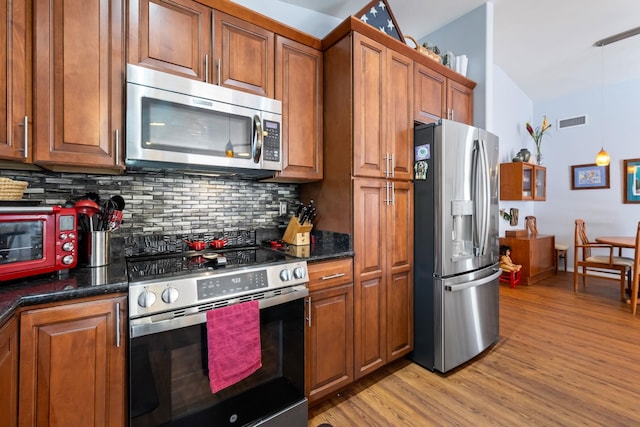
point(218, 243)
point(197, 245)
point(88, 208)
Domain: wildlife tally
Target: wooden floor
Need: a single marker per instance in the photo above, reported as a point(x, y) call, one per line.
point(563, 359)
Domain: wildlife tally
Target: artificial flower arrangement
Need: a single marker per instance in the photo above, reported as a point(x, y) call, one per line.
point(537, 133)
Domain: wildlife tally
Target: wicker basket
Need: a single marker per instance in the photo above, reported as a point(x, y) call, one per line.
point(423, 50)
point(12, 190)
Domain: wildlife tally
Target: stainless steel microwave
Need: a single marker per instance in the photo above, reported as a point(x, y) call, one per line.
point(177, 123)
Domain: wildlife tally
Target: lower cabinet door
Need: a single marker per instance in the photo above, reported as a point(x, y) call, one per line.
point(329, 341)
point(72, 364)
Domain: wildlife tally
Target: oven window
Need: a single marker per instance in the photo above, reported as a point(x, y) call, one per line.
point(175, 127)
point(21, 241)
point(169, 382)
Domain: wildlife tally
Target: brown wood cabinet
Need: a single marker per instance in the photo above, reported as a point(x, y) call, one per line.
point(535, 253)
point(329, 338)
point(382, 110)
point(78, 84)
point(9, 373)
point(72, 364)
point(15, 77)
point(299, 87)
point(171, 35)
point(191, 39)
point(437, 96)
point(361, 195)
point(523, 181)
point(383, 271)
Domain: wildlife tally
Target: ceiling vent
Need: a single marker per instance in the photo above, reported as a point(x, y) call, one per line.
point(572, 121)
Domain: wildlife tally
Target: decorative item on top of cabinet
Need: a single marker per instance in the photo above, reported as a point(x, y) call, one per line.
point(9, 373)
point(62, 343)
point(523, 181)
point(329, 338)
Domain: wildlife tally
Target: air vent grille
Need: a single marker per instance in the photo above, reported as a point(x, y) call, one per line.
point(572, 121)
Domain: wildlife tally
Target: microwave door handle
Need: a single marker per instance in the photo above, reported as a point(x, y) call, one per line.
point(256, 148)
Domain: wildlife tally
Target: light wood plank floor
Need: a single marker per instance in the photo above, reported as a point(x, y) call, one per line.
point(563, 359)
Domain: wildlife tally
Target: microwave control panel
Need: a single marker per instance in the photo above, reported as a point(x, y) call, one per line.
point(271, 141)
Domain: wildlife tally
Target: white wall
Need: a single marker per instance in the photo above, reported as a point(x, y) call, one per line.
point(478, 47)
point(612, 123)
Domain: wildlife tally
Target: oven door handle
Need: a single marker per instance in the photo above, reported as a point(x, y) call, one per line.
point(146, 325)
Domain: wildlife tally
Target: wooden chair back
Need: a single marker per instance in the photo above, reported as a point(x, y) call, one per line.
point(586, 264)
point(582, 239)
point(636, 273)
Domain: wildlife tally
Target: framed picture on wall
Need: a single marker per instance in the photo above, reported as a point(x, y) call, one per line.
point(589, 177)
point(632, 181)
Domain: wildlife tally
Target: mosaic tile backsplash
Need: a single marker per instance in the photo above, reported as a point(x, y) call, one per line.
point(169, 203)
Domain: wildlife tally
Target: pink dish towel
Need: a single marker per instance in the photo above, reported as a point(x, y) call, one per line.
point(233, 343)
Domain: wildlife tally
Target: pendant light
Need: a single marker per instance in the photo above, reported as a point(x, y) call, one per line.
point(602, 158)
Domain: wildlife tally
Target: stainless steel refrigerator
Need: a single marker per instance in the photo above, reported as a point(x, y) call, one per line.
point(456, 246)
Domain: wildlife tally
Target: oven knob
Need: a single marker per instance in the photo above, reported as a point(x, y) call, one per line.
point(170, 295)
point(68, 246)
point(298, 272)
point(146, 299)
point(285, 275)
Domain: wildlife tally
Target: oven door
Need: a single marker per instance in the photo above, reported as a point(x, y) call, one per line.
point(169, 379)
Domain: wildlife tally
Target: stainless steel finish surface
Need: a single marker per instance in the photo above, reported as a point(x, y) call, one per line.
point(456, 245)
point(469, 323)
point(467, 167)
point(26, 209)
point(198, 97)
point(294, 416)
point(186, 287)
point(198, 314)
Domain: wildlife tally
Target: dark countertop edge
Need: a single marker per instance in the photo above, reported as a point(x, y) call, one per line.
point(58, 296)
point(345, 254)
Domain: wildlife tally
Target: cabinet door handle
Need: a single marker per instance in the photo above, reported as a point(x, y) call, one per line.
point(118, 324)
point(117, 147)
point(219, 71)
point(452, 114)
point(25, 124)
point(206, 68)
point(308, 319)
point(393, 193)
point(332, 276)
point(393, 165)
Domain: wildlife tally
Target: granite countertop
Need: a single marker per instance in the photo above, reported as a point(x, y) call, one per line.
point(93, 281)
point(325, 245)
point(75, 283)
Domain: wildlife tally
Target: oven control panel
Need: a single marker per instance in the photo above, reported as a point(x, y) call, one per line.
point(147, 298)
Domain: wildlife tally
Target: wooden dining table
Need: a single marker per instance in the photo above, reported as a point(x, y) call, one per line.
point(628, 242)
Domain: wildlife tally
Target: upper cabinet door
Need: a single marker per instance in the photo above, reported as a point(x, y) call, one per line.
point(172, 36)
point(460, 102)
point(14, 81)
point(299, 87)
point(369, 111)
point(430, 94)
point(399, 103)
point(78, 85)
point(244, 55)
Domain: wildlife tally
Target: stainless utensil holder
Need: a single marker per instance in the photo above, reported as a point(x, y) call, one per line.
point(95, 248)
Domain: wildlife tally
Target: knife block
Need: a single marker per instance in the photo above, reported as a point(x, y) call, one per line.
point(296, 233)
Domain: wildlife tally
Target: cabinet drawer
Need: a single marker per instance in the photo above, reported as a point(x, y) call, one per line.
point(325, 274)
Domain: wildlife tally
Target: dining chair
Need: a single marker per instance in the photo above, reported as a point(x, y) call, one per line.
point(636, 273)
point(585, 263)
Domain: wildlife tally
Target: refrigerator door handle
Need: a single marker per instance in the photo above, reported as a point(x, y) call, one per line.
point(483, 205)
point(473, 284)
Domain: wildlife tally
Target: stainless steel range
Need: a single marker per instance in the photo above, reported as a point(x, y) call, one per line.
point(169, 296)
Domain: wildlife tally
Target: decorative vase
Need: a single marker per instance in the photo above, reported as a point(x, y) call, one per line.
point(524, 154)
point(539, 158)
